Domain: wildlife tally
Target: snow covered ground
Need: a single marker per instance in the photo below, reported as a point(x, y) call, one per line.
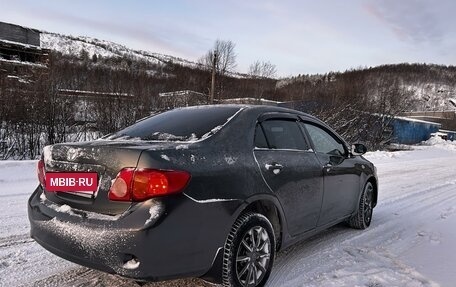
point(411, 242)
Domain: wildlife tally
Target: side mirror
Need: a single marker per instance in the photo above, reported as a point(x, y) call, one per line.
point(358, 149)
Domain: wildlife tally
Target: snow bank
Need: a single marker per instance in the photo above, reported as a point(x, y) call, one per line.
point(381, 154)
point(438, 142)
point(435, 143)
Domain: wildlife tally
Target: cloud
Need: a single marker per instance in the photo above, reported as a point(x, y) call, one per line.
point(150, 35)
point(415, 21)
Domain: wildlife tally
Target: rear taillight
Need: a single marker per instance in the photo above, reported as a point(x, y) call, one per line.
point(120, 189)
point(141, 184)
point(41, 172)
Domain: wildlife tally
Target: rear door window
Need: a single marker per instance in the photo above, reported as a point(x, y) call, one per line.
point(284, 134)
point(260, 138)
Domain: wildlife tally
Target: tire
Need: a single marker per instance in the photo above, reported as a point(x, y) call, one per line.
point(363, 218)
point(248, 262)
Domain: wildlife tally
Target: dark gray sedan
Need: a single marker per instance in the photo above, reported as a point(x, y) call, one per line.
point(210, 192)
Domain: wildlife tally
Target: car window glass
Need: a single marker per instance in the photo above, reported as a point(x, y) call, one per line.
point(260, 139)
point(179, 124)
point(283, 134)
point(323, 141)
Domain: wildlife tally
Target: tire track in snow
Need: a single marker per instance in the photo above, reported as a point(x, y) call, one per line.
point(23, 260)
point(15, 240)
point(389, 216)
point(84, 277)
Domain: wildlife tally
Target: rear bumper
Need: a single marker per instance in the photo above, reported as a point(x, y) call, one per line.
point(170, 238)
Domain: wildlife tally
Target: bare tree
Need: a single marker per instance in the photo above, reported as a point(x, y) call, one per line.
point(225, 61)
point(260, 69)
point(261, 73)
point(222, 57)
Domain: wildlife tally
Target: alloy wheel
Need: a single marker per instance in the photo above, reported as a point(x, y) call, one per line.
point(368, 203)
point(253, 256)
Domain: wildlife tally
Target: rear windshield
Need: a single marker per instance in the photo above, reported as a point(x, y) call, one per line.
point(186, 124)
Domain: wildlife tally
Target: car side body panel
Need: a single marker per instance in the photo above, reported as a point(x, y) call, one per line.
point(298, 185)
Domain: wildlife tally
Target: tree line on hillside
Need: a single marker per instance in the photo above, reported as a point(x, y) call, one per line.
point(34, 112)
point(358, 103)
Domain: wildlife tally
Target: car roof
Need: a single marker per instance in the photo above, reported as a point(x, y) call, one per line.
point(258, 108)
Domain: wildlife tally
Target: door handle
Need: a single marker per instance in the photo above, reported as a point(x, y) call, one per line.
point(276, 168)
point(328, 167)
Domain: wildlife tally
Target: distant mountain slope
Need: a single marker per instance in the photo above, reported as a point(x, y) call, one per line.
point(433, 97)
point(430, 87)
point(74, 45)
point(71, 45)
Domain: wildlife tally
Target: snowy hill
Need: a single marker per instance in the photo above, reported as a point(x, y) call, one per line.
point(433, 96)
point(70, 45)
point(74, 46)
point(430, 87)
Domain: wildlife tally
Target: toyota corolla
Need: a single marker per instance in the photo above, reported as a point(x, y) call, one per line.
point(210, 192)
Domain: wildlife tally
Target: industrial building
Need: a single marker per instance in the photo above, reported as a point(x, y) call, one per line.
point(20, 45)
point(22, 59)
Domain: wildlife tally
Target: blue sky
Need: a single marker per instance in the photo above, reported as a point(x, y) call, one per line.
point(299, 37)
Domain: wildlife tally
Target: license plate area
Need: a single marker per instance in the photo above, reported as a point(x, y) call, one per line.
point(84, 194)
point(83, 184)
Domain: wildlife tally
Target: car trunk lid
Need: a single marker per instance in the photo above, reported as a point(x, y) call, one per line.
point(106, 158)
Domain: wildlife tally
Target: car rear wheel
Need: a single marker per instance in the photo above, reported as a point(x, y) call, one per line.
point(249, 252)
point(362, 219)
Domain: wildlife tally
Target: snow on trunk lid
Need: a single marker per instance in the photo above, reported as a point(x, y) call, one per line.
point(105, 158)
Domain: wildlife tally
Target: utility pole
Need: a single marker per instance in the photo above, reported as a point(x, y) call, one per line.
point(214, 61)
